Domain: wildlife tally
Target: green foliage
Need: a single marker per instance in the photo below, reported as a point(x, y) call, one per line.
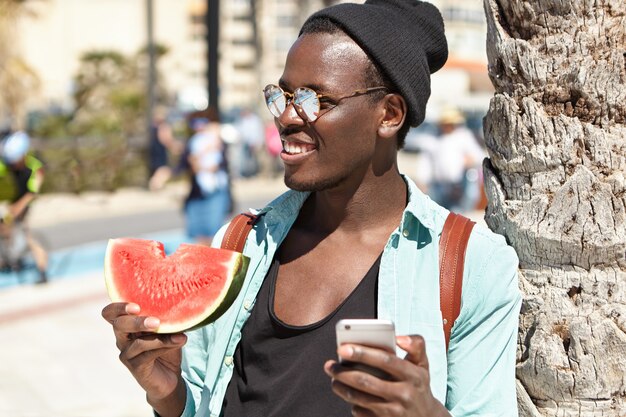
point(102, 144)
point(92, 163)
point(99, 71)
point(51, 126)
point(159, 50)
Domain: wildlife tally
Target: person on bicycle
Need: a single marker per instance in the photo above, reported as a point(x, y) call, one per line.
point(21, 175)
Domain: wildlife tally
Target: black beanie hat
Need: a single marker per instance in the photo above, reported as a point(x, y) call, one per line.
point(405, 38)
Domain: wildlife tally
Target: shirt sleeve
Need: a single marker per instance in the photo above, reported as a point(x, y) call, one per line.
point(194, 365)
point(195, 355)
point(482, 351)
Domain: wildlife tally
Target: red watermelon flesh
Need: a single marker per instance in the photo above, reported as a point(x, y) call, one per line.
point(187, 289)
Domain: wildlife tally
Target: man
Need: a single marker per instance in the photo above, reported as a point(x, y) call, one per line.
point(21, 176)
point(208, 202)
point(456, 159)
point(251, 135)
point(353, 238)
point(162, 143)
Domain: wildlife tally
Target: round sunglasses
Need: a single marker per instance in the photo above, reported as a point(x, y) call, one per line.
point(305, 100)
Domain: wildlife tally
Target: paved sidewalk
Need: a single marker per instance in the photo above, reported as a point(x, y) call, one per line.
point(58, 355)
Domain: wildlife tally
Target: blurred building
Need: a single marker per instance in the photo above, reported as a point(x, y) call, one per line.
point(56, 33)
point(463, 81)
point(255, 36)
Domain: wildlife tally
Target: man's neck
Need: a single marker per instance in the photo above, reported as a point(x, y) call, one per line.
point(377, 202)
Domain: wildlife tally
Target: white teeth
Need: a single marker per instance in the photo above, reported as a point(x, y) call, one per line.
point(293, 148)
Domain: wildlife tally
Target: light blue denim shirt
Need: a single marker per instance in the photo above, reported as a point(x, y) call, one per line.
point(478, 375)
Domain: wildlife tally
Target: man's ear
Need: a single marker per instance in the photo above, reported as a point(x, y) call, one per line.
point(394, 113)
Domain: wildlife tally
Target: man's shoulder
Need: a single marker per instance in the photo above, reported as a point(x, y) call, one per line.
point(284, 208)
point(485, 246)
point(491, 266)
point(485, 237)
point(488, 255)
point(483, 243)
point(281, 211)
point(433, 216)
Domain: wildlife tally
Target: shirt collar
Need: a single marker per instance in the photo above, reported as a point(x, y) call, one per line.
point(285, 206)
point(420, 209)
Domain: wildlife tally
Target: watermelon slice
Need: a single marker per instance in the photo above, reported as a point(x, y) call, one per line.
point(187, 289)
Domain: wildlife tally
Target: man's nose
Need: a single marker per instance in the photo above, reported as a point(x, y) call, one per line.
point(290, 116)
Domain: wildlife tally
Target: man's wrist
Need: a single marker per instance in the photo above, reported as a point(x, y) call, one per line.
point(438, 409)
point(171, 405)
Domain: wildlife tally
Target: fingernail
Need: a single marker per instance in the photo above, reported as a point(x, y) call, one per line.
point(346, 351)
point(331, 368)
point(406, 340)
point(132, 308)
point(178, 338)
point(152, 322)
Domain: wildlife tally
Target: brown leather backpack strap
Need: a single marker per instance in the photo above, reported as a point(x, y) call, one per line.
point(237, 231)
point(452, 246)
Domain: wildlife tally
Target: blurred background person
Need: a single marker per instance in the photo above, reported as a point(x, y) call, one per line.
point(209, 200)
point(422, 143)
point(252, 137)
point(162, 144)
point(455, 159)
point(274, 146)
point(22, 176)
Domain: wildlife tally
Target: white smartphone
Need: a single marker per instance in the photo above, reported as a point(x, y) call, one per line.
point(369, 332)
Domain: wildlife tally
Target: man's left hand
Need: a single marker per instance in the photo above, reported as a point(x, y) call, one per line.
point(408, 392)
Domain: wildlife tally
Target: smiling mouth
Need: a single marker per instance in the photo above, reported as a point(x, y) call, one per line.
point(296, 148)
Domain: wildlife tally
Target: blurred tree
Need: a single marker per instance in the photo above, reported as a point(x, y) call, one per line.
point(556, 133)
point(101, 145)
point(110, 92)
point(92, 144)
point(17, 79)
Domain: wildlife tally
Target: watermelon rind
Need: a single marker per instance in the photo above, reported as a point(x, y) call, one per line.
point(230, 291)
point(231, 295)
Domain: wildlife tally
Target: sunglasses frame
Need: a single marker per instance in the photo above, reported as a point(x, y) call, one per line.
point(290, 99)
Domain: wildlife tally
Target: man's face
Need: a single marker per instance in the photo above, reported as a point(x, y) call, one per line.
point(337, 148)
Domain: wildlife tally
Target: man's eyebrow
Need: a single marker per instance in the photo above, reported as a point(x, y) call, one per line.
point(315, 87)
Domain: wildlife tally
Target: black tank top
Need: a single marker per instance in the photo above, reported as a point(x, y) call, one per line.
point(279, 368)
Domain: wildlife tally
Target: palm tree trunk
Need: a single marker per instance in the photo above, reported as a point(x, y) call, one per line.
point(556, 185)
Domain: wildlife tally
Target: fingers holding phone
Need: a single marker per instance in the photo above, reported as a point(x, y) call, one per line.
point(390, 383)
point(355, 334)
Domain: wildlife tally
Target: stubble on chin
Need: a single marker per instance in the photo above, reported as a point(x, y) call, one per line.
point(311, 185)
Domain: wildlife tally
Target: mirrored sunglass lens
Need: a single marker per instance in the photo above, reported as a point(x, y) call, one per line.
point(308, 102)
point(275, 100)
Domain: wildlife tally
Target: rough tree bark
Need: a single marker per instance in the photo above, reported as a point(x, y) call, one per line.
point(556, 184)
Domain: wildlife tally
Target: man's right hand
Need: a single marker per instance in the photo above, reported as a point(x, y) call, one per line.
point(153, 359)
